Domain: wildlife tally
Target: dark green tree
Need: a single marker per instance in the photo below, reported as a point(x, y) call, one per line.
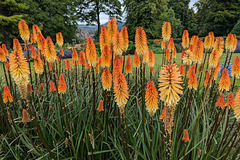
point(236, 29)
point(144, 13)
point(10, 13)
point(89, 11)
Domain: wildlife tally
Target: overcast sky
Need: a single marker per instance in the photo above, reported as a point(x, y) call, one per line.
point(104, 18)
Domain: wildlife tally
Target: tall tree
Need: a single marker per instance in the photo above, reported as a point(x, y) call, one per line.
point(89, 11)
point(10, 13)
point(143, 13)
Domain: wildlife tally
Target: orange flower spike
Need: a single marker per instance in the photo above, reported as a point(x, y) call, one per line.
point(182, 70)
point(128, 67)
point(236, 68)
point(36, 31)
point(141, 42)
point(185, 40)
point(124, 34)
point(230, 100)
point(136, 60)
point(213, 59)
point(29, 88)
point(117, 44)
point(103, 38)
point(192, 82)
point(100, 106)
point(171, 45)
point(163, 45)
point(62, 52)
point(117, 68)
point(212, 38)
point(234, 43)
point(68, 66)
point(166, 31)
point(25, 117)
point(168, 56)
point(185, 136)
point(39, 40)
point(4, 48)
point(151, 98)
point(182, 55)
point(58, 59)
point(91, 52)
point(7, 65)
point(24, 30)
point(62, 87)
point(174, 53)
point(34, 54)
point(224, 83)
point(163, 115)
point(219, 45)
point(16, 45)
point(237, 105)
point(111, 29)
point(229, 41)
point(220, 102)
point(59, 39)
point(106, 58)
point(82, 59)
point(49, 66)
point(216, 70)
point(87, 65)
point(2, 55)
point(145, 58)
point(198, 52)
point(49, 50)
point(207, 79)
point(74, 54)
point(52, 87)
point(106, 79)
point(207, 43)
point(38, 65)
point(32, 39)
point(151, 59)
point(7, 96)
point(120, 90)
point(194, 40)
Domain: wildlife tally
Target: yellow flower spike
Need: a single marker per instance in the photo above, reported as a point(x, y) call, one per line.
point(49, 50)
point(111, 29)
point(103, 38)
point(106, 79)
point(91, 54)
point(151, 98)
point(117, 44)
point(124, 34)
point(166, 31)
point(24, 30)
point(185, 40)
point(141, 42)
point(59, 39)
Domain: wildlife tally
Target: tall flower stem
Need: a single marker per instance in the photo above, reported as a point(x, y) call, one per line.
point(151, 136)
point(125, 137)
point(94, 89)
point(65, 110)
point(29, 63)
point(123, 62)
point(5, 73)
point(142, 88)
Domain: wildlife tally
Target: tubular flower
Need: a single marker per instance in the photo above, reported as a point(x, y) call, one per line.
point(224, 83)
point(106, 57)
point(62, 87)
point(237, 105)
point(49, 66)
point(219, 45)
point(7, 65)
point(174, 53)
point(187, 58)
point(34, 54)
point(19, 71)
point(216, 70)
point(213, 59)
point(171, 45)
point(211, 35)
point(49, 51)
point(59, 39)
point(163, 45)
point(168, 56)
point(151, 98)
point(207, 43)
point(68, 66)
point(106, 79)
point(194, 40)
point(166, 31)
point(145, 58)
point(103, 39)
point(7, 96)
point(91, 52)
point(62, 52)
point(100, 106)
point(163, 115)
point(169, 85)
point(52, 87)
point(182, 71)
point(111, 28)
point(32, 39)
point(40, 39)
point(25, 117)
point(74, 55)
point(128, 67)
point(185, 136)
point(234, 43)
point(192, 82)
point(185, 40)
point(136, 60)
point(198, 52)
point(120, 90)
point(182, 55)
point(16, 45)
point(229, 41)
point(82, 58)
point(236, 68)
point(220, 102)
point(230, 100)
point(117, 44)
point(38, 65)
point(2, 55)
point(29, 88)
point(141, 42)
point(117, 68)
point(24, 30)
point(151, 59)
point(36, 31)
point(207, 79)
point(4, 48)
point(124, 34)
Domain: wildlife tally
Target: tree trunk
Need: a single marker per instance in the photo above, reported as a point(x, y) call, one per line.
point(98, 19)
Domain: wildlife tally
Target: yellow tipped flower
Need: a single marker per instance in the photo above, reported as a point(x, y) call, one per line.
point(224, 83)
point(198, 52)
point(36, 31)
point(16, 45)
point(145, 58)
point(124, 34)
point(213, 59)
point(185, 40)
point(106, 57)
point(62, 87)
point(166, 31)
point(230, 100)
point(117, 67)
point(192, 82)
point(194, 40)
point(74, 55)
point(59, 39)
point(151, 59)
point(2, 55)
point(219, 45)
point(237, 105)
point(207, 79)
point(106, 79)
point(168, 56)
point(187, 58)
point(220, 102)
point(111, 29)
point(212, 38)
point(120, 91)
point(136, 60)
point(49, 50)
point(117, 44)
point(151, 98)
point(38, 65)
point(171, 45)
point(207, 43)
point(163, 45)
point(91, 54)
point(7, 96)
point(174, 53)
point(169, 85)
point(182, 71)
point(128, 67)
point(24, 30)
point(216, 70)
point(141, 42)
point(103, 38)
point(236, 68)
